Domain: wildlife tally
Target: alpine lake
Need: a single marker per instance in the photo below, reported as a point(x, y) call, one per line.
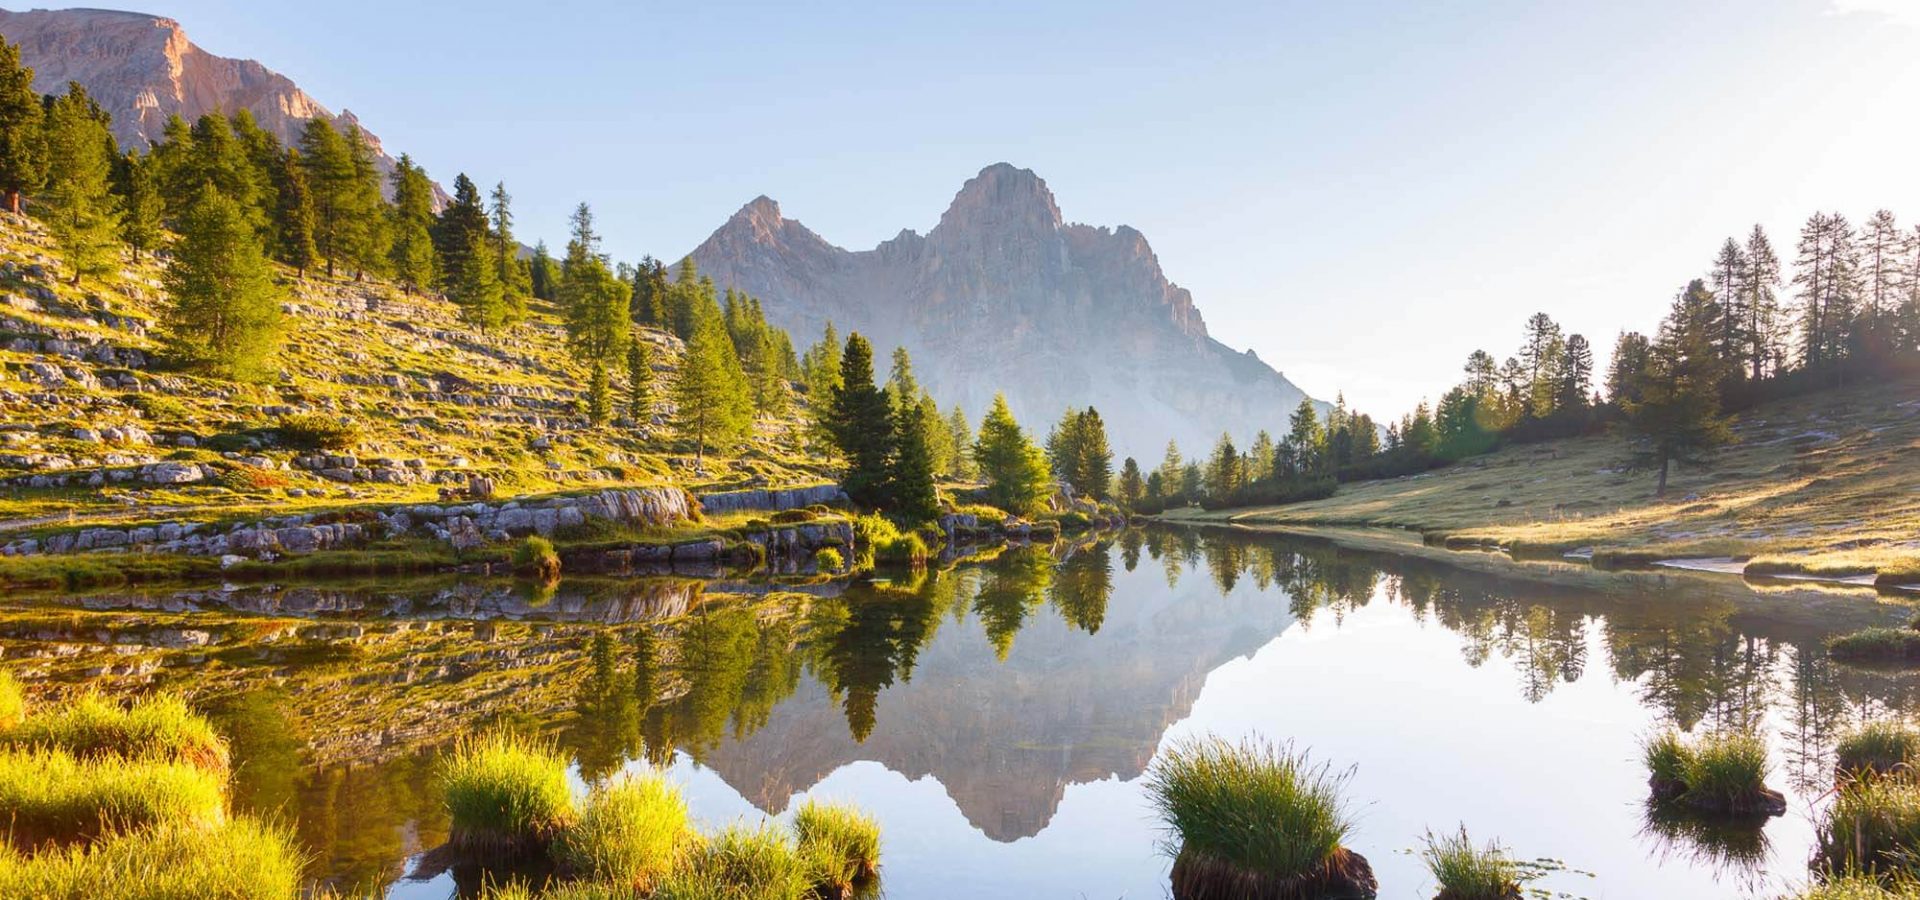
point(996, 714)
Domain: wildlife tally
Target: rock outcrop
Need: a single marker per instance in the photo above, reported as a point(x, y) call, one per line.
point(144, 70)
point(1003, 295)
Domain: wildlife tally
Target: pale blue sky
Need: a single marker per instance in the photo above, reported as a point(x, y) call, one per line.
point(1361, 192)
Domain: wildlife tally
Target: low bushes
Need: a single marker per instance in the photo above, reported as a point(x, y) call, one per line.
point(828, 559)
point(905, 549)
point(312, 431)
point(159, 728)
point(1467, 872)
point(1719, 772)
point(794, 516)
point(1885, 645)
point(631, 832)
point(505, 794)
point(1255, 819)
point(1877, 748)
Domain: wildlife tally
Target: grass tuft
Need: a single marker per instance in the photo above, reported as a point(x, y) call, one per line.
point(632, 830)
point(841, 845)
point(13, 701)
point(534, 557)
point(1872, 826)
point(1860, 887)
point(1254, 805)
point(505, 793)
point(828, 559)
point(1722, 772)
point(741, 863)
point(241, 860)
point(158, 728)
point(1467, 872)
point(1883, 747)
point(1884, 645)
point(51, 796)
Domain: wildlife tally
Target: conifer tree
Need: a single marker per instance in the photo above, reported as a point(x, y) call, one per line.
point(294, 217)
point(22, 145)
point(1824, 273)
point(330, 179)
point(715, 407)
point(639, 382)
point(1170, 466)
point(543, 274)
point(593, 301)
point(1132, 489)
point(910, 491)
point(79, 206)
point(1224, 475)
point(140, 205)
point(1308, 440)
point(1631, 353)
point(1882, 278)
point(224, 311)
point(1576, 374)
point(1729, 268)
point(515, 276)
point(214, 155)
point(454, 230)
point(939, 438)
point(1677, 411)
point(366, 239)
point(861, 423)
point(260, 151)
point(412, 253)
point(477, 292)
point(820, 375)
point(1015, 470)
point(1759, 303)
point(960, 433)
point(599, 395)
point(650, 293)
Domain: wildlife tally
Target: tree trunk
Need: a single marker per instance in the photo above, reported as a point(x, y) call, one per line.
point(1661, 491)
point(13, 202)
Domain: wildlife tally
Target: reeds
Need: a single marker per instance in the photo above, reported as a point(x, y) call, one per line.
point(741, 863)
point(840, 844)
point(240, 860)
point(50, 795)
point(1883, 747)
point(1468, 872)
point(152, 728)
point(1872, 826)
point(1722, 771)
point(632, 831)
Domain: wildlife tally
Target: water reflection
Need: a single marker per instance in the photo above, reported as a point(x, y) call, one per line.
point(1011, 682)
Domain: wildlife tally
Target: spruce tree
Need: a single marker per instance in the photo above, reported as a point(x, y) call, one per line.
point(78, 202)
point(22, 145)
point(599, 395)
point(715, 406)
point(223, 315)
point(140, 205)
point(455, 229)
point(412, 253)
point(477, 292)
point(543, 274)
point(862, 426)
point(294, 216)
point(1133, 489)
point(367, 239)
point(960, 432)
point(515, 275)
point(639, 382)
point(910, 491)
point(1093, 459)
point(820, 375)
point(1759, 303)
point(1015, 470)
point(594, 304)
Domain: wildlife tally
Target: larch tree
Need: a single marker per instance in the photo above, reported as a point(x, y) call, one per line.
point(412, 253)
point(330, 178)
point(294, 216)
point(23, 160)
point(1882, 256)
point(477, 292)
point(1132, 488)
point(714, 403)
point(910, 491)
point(515, 275)
point(599, 395)
point(1677, 412)
point(1014, 468)
point(456, 226)
point(78, 203)
point(1759, 304)
point(223, 314)
point(140, 205)
point(639, 382)
point(960, 433)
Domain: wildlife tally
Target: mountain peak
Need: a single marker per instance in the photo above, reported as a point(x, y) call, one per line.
point(1002, 197)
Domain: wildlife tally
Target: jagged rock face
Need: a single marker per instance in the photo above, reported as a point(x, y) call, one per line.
point(1003, 295)
point(143, 70)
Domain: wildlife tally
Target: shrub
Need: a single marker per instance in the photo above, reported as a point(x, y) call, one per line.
point(828, 559)
point(1860, 887)
point(1253, 814)
point(505, 793)
point(160, 407)
point(905, 549)
point(50, 795)
point(1880, 748)
point(248, 478)
point(13, 701)
point(873, 530)
point(535, 557)
point(1872, 826)
point(241, 860)
point(1722, 772)
point(1877, 645)
point(1466, 872)
point(742, 863)
point(794, 516)
point(312, 431)
point(630, 833)
point(840, 844)
point(153, 728)
point(1073, 521)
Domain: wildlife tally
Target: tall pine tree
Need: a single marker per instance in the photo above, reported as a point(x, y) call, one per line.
point(223, 315)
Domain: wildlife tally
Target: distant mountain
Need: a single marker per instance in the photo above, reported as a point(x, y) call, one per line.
point(1003, 296)
point(143, 70)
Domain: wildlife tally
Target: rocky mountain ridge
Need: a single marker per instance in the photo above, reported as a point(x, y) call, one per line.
point(144, 70)
point(1004, 295)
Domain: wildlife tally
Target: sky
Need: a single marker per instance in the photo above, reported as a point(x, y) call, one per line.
point(1362, 193)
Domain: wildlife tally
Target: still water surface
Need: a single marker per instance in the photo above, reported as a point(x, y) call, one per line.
point(997, 717)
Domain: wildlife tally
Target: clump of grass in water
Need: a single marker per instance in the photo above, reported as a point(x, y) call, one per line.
point(1880, 644)
point(91, 726)
point(632, 831)
point(741, 863)
point(840, 843)
point(1884, 747)
point(1861, 887)
point(1254, 819)
point(534, 557)
point(49, 795)
point(505, 793)
point(1467, 872)
point(241, 860)
point(1873, 826)
point(1723, 772)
